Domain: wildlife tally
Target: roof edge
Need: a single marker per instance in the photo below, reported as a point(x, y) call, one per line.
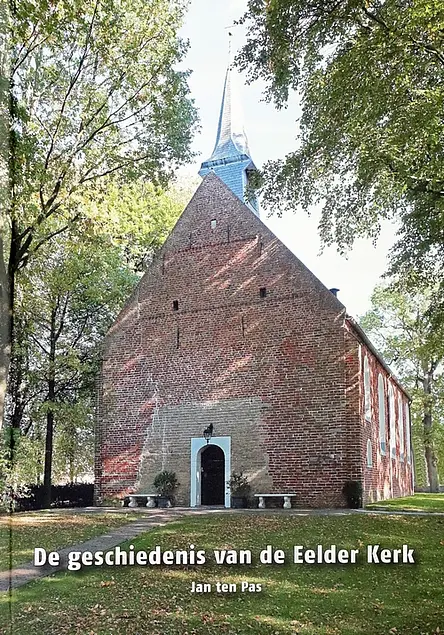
point(364, 337)
point(321, 286)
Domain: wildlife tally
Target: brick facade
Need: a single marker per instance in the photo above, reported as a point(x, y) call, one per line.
point(389, 473)
point(277, 372)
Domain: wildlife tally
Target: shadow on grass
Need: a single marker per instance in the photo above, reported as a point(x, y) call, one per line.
point(314, 600)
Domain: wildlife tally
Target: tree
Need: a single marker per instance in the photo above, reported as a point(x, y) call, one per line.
point(4, 196)
point(93, 91)
point(371, 79)
point(67, 298)
point(400, 325)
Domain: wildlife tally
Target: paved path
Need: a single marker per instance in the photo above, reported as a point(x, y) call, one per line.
point(149, 519)
point(27, 572)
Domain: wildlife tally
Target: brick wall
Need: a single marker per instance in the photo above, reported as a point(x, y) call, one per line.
point(388, 476)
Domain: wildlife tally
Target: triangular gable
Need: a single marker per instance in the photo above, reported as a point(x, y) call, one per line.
point(216, 217)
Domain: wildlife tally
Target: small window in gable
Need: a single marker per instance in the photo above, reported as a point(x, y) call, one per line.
point(392, 421)
point(213, 223)
point(263, 292)
point(369, 454)
point(367, 391)
point(401, 427)
point(381, 410)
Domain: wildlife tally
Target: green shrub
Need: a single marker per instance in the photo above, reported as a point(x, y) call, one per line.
point(239, 484)
point(352, 491)
point(166, 483)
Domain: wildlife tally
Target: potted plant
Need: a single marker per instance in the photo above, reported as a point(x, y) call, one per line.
point(352, 491)
point(166, 484)
point(240, 489)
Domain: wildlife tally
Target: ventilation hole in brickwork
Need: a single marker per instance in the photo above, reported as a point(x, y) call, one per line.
point(213, 223)
point(175, 305)
point(177, 338)
point(243, 326)
point(263, 292)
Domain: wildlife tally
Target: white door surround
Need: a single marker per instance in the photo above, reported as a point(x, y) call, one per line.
point(197, 446)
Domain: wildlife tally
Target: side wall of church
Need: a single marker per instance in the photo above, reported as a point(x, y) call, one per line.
point(386, 450)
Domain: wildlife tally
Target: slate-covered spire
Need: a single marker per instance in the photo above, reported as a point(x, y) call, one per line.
point(231, 139)
point(231, 160)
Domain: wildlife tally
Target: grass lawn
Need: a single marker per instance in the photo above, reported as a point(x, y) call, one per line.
point(21, 532)
point(361, 599)
point(418, 502)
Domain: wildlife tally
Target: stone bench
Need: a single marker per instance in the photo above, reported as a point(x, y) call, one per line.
point(286, 497)
point(150, 500)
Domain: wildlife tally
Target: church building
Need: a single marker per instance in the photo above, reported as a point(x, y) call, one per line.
point(229, 333)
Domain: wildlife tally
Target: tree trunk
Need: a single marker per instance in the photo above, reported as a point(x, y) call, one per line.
point(9, 173)
point(71, 467)
point(5, 331)
point(5, 105)
point(429, 447)
point(38, 438)
point(16, 388)
point(47, 476)
point(71, 430)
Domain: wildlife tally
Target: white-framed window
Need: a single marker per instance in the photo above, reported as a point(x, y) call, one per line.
point(392, 420)
point(381, 410)
point(369, 454)
point(367, 391)
point(407, 431)
point(401, 427)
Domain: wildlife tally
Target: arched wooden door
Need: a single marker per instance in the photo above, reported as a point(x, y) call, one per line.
point(212, 476)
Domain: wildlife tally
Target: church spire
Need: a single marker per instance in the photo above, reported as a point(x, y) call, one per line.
point(231, 160)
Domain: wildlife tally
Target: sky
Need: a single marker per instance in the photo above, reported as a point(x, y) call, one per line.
point(271, 134)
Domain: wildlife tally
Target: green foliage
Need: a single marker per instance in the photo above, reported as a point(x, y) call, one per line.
point(69, 295)
point(400, 325)
point(66, 300)
point(135, 218)
point(418, 443)
point(239, 484)
point(166, 483)
point(93, 94)
point(10, 485)
point(74, 441)
point(28, 465)
point(371, 80)
point(96, 93)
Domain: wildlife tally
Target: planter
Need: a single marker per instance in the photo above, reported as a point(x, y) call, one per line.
point(165, 485)
point(240, 490)
point(163, 501)
point(238, 502)
point(354, 503)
